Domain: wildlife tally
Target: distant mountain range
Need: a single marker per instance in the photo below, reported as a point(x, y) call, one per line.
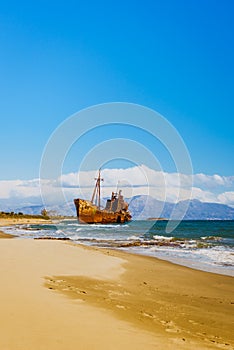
point(144, 207)
point(141, 207)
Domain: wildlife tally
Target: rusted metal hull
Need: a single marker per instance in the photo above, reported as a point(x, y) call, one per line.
point(90, 214)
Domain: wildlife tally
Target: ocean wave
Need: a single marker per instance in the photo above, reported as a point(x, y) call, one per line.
point(104, 226)
point(131, 238)
point(215, 259)
point(59, 231)
point(212, 238)
point(219, 255)
point(164, 238)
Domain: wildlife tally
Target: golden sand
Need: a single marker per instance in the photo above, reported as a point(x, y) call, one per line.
point(56, 295)
point(22, 221)
point(6, 235)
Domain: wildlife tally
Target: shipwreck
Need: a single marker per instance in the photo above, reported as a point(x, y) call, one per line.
point(90, 212)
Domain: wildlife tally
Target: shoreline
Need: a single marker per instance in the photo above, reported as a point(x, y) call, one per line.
point(142, 301)
point(194, 265)
point(205, 266)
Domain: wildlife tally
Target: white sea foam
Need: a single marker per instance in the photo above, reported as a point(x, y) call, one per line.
point(74, 224)
point(59, 231)
point(218, 255)
point(104, 226)
point(216, 259)
point(164, 238)
point(132, 238)
point(211, 238)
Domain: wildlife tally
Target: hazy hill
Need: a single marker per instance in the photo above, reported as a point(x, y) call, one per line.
point(146, 206)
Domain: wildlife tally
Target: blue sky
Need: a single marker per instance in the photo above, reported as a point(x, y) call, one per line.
point(172, 56)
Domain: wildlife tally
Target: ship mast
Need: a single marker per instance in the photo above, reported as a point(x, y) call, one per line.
point(97, 190)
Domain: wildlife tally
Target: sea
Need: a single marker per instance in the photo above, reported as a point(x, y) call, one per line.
point(203, 245)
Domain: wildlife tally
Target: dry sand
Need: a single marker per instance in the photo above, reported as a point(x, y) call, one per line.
point(55, 295)
point(22, 221)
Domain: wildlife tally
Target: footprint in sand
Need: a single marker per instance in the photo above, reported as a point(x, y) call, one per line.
point(171, 327)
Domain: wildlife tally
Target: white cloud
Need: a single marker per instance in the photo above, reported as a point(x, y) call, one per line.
point(134, 181)
point(19, 188)
point(203, 196)
point(227, 198)
point(212, 181)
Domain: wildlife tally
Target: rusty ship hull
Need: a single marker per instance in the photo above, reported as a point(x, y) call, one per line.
point(90, 214)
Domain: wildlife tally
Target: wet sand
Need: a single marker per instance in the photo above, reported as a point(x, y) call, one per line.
point(6, 235)
point(57, 295)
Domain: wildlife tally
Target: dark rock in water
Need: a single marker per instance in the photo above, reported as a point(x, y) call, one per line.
point(54, 238)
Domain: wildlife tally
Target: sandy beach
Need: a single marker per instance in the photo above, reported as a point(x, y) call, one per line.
point(58, 295)
point(6, 235)
point(22, 221)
